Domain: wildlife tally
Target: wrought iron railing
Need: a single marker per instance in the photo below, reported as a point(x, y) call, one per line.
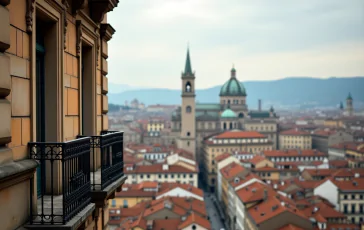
point(64, 180)
point(106, 159)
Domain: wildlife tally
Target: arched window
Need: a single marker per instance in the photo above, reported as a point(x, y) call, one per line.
point(231, 125)
point(224, 125)
point(194, 227)
point(241, 115)
point(188, 87)
point(188, 109)
point(188, 134)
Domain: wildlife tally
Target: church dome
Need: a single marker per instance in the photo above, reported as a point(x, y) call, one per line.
point(232, 87)
point(228, 113)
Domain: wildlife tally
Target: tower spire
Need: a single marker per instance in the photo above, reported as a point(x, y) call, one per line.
point(188, 68)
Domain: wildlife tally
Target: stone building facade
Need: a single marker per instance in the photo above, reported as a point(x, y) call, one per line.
point(53, 88)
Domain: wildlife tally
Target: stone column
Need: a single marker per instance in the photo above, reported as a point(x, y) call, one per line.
point(5, 84)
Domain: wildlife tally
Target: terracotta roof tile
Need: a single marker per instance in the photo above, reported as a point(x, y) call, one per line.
point(222, 157)
point(257, 159)
point(273, 206)
point(195, 219)
point(321, 212)
point(231, 170)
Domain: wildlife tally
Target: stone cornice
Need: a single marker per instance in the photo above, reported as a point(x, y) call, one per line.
point(106, 31)
point(16, 172)
point(98, 8)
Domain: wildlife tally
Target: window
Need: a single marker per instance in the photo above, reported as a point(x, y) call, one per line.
point(353, 197)
point(191, 175)
point(159, 176)
point(188, 109)
point(212, 181)
point(188, 143)
point(141, 176)
point(345, 208)
point(188, 134)
point(125, 204)
point(113, 203)
point(178, 175)
point(184, 175)
point(148, 176)
point(166, 175)
point(345, 197)
point(353, 206)
point(172, 175)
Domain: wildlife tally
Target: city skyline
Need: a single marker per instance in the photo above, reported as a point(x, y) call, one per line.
point(264, 41)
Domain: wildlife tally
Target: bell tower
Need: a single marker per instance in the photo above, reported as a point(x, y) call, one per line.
point(188, 119)
point(349, 105)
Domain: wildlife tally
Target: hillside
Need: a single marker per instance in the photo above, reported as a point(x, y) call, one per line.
point(287, 92)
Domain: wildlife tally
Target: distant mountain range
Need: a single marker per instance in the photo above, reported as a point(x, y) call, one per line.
point(292, 91)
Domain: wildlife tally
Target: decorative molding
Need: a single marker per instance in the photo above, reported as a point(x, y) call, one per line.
point(29, 15)
point(78, 5)
point(98, 51)
point(65, 22)
point(98, 8)
point(78, 37)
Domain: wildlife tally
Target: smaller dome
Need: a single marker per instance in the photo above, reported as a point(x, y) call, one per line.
point(228, 113)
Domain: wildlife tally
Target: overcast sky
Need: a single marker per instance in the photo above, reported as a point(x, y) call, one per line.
point(265, 39)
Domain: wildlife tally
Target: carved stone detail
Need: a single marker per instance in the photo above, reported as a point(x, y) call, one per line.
point(78, 37)
point(98, 51)
point(29, 15)
point(65, 22)
point(78, 5)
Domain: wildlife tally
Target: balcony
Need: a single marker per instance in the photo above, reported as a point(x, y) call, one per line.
point(106, 163)
point(63, 182)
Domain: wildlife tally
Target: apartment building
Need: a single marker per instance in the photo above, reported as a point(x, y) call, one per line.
point(53, 108)
point(295, 139)
point(296, 155)
point(322, 139)
point(161, 173)
point(229, 173)
point(229, 142)
point(346, 195)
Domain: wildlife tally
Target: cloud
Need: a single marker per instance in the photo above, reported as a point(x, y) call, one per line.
point(265, 39)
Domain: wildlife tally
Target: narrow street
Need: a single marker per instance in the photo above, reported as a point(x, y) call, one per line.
point(213, 213)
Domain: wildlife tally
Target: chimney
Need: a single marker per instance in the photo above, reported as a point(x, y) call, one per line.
point(265, 194)
point(165, 167)
point(260, 105)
